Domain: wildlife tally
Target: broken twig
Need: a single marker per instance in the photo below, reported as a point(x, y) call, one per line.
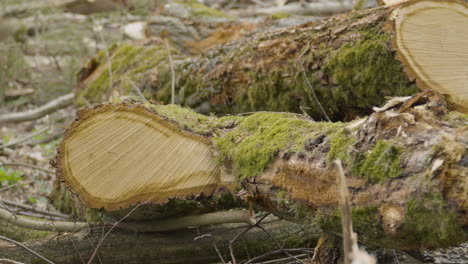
point(26, 248)
point(172, 71)
point(304, 75)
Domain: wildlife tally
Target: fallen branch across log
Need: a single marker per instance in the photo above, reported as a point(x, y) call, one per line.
point(403, 167)
point(39, 112)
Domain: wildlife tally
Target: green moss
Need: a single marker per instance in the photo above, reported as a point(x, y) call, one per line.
point(20, 34)
point(302, 213)
point(369, 68)
point(339, 143)
point(431, 224)
point(255, 142)
point(127, 62)
point(366, 223)
point(382, 163)
point(281, 195)
point(280, 15)
point(199, 9)
point(186, 118)
point(456, 119)
point(64, 202)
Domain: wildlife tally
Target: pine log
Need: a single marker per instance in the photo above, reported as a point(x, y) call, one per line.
point(405, 165)
point(168, 247)
point(352, 61)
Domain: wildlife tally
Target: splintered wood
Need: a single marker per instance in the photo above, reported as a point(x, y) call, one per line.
point(431, 38)
point(127, 155)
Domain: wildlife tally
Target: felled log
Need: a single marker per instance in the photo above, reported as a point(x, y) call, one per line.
point(405, 165)
point(170, 247)
point(352, 62)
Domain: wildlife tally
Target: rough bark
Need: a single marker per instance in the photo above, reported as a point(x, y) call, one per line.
point(405, 164)
point(349, 60)
point(168, 247)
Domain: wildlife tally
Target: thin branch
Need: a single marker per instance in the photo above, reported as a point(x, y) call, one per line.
point(285, 259)
point(137, 90)
point(26, 248)
point(231, 242)
point(94, 247)
point(35, 215)
point(304, 75)
point(108, 59)
point(277, 244)
point(22, 140)
point(39, 112)
point(224, 217)
point(172, 71)
point(214, 245)
point(10, 261)
point(14, 184)
point(33, 209)
point(272, 253)
point(110, 230)
point(56, 135)
point(92, 244)
point(289, 113)
point(76, 249)
point(54, 226)
point(13, 164)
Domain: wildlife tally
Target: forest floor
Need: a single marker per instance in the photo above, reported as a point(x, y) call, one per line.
point(41, 49)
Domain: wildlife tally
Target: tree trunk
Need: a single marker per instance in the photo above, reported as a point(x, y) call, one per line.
point(405, 165)
point(348, 59)
point(168, 247)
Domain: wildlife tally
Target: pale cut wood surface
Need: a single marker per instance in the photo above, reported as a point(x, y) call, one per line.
point(121, 157)
point(431, 37)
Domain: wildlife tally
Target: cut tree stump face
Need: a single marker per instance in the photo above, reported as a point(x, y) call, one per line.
point(432, 38)
point(118, 158)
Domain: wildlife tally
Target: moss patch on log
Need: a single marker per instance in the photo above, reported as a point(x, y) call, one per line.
point(254, 143)
point(430, 222)
point(382, 163)
point(126, 61)
point(339, 143)
point(350, 74)
point(366, 223)
point(366, 71)
point(64, 201)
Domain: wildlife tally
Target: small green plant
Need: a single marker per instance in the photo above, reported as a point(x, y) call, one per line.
point(9, 176)
point(5, 139)
point(48, 149)
point(32, 200)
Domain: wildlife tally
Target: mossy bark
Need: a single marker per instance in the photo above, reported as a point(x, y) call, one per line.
point(169, 247)
point(348, 59)
point(404, 166)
